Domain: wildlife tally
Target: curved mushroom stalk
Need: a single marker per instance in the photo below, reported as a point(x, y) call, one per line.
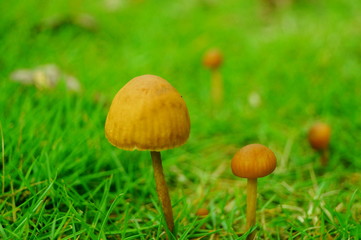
point(162, 189)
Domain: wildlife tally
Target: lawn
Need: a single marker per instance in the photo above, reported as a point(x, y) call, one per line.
point(62, 179)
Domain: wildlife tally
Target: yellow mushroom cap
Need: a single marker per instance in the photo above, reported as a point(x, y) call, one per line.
point(319, 136)
point(147, 114)
point(253, 161)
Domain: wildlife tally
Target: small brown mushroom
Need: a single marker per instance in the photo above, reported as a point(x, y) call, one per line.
point(253, 161)
point(148, 114)
point(213, 60)
point(202, 212)
point(319, 138)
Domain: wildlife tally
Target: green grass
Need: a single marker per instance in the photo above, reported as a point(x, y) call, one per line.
point(61, 179)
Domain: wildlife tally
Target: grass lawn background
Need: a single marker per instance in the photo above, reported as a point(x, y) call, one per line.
point(61, 179)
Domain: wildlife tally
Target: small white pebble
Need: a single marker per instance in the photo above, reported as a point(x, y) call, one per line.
point(24, 76)
point(72, 84)
point(254, 99)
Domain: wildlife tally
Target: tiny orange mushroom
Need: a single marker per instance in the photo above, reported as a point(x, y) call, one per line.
point(213, 59)
point(319, 138)
point(253, 161)
point(202, 212)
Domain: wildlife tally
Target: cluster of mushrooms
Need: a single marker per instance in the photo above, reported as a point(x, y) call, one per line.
point(148, 114)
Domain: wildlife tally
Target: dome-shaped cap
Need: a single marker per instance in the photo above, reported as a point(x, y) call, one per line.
point(147, 114)
point(253, 161)
point(319, 136)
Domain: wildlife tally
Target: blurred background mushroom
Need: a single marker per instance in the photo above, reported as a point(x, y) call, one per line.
point(319, 138)
point(202, 212)
point(213, 60)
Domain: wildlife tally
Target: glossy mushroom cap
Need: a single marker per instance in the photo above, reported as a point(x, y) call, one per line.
point(253, 161)
point(213, 59)
point(319, 136)
point(147, 114)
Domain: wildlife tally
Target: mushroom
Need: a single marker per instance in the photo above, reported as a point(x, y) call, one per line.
point(213, 60)
point(148, 114)
point(319, 139)
point(253, 161)
point(202, 212)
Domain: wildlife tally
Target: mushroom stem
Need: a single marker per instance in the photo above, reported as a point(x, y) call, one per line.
point(251, 205)
point(162, 189)
point(217, 87)
point(324, 157)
